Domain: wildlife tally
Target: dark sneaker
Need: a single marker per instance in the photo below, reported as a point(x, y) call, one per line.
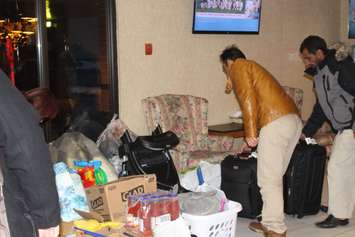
point(332, 222)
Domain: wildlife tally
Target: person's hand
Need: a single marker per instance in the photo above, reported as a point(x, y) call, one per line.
point(50, 232)
point(252, 141)
point(243, 148)
point(302, 137)
point(354, 133)
point(229, 87)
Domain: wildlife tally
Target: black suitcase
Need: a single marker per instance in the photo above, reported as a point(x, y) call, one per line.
point(303, 180)
point(239, 183)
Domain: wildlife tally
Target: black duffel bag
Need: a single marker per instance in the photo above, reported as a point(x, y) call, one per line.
point(150, 155)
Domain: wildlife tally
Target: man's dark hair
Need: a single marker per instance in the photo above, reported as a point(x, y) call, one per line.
point(232, 53)
point(312, 43)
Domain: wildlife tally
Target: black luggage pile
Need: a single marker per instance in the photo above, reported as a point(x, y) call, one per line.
point(303, 182)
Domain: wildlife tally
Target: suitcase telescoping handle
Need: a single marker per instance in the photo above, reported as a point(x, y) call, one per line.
point(247, 154)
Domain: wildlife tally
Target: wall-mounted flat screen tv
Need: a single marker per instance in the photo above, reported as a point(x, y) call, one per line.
point(227, 16)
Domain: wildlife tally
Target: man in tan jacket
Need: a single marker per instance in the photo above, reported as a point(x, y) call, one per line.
point(271, 121)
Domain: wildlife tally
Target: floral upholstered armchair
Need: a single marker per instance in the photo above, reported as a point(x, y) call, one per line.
point(186, 116)
point(297, 95)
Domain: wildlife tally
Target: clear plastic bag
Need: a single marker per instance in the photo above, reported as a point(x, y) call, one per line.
point(149, 210)
point(75, 146)
point(109, 142)
point(205, 200)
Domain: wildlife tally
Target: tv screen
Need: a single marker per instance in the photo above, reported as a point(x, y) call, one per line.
point(227, 16)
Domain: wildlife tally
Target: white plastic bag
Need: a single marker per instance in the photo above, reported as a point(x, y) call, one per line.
point(205, 173)
point(177, 228)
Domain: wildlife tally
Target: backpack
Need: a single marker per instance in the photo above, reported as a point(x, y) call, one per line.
point(347, 75)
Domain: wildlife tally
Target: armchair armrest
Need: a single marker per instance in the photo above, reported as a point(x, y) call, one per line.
point(224, 143)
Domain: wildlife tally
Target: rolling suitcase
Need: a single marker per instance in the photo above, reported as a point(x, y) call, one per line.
point(303, 180)
point(239, 183)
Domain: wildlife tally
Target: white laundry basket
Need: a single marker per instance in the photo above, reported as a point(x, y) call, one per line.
point(222, 224)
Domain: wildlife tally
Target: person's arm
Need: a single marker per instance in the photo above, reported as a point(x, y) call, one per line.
point(28, 158)
point(315, 121)
point(51, 232)
point(245, 93)
point(30, 161)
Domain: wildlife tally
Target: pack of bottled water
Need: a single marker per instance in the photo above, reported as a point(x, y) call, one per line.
point(71, 192)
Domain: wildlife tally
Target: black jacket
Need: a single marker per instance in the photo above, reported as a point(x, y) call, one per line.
point(30, 193)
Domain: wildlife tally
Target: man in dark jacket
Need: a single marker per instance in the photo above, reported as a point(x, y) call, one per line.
point(336, 105)
point(29, 189)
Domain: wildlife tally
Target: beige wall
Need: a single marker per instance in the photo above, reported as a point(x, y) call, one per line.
point(187, 63)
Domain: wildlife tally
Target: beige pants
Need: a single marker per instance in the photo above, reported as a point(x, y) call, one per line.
point(341, 175)
point(277, 141)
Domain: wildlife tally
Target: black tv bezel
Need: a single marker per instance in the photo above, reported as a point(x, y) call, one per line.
point(224, 32)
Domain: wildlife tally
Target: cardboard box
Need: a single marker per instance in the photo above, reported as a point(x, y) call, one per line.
point(109, 200)
point(104, 232)
point(66, 228)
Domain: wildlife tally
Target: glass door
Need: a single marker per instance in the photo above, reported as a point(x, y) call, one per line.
point(18, 50)
point(79, 64)
point(70, 47)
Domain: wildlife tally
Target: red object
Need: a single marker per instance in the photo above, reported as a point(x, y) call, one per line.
point(145, 214)
point(87, 176)
point(10, 59)
point(152, 209)
point(175, 208)
point(148, 49)
point(133, 206)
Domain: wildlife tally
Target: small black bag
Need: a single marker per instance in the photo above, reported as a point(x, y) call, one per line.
point(150, 155)
point(239, 183)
